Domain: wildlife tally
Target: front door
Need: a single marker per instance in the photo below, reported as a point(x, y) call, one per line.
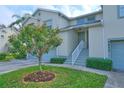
point(83, 36)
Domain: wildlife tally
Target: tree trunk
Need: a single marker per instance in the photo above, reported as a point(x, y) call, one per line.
point(27, 56)
point(39, 60)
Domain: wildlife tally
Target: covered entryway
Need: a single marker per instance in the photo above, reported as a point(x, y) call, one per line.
point(117, 54)
point(83, 35)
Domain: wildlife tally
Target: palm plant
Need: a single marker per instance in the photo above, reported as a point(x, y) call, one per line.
point(19, 21)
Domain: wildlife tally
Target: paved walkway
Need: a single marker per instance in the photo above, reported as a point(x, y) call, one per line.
point(115, 79)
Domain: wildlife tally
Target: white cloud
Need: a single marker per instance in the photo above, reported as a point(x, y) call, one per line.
point(25, 12)
point(90, 8)
point(5, 15)
point(71, 10)
point(47, 7)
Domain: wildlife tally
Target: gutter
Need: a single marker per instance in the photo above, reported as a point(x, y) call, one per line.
point(82, 26)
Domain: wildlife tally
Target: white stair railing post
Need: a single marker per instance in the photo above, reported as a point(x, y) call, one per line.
point(77, 51)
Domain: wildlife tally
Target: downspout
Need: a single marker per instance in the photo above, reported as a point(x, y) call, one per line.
point(103, 41)
point(57, 48)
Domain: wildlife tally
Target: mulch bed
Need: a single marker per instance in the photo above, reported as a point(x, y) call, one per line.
point(39, 76)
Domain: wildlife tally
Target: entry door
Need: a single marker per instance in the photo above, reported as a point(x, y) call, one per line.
point(81, 36)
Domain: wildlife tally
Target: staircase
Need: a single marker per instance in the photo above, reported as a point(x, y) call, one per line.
point(81, 60)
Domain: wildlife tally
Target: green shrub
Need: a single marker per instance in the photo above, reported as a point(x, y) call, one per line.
point(3, 56)
point(19, 55)
point(6, 57)
point(99, 63)
point(9, 57)
point(58, 60)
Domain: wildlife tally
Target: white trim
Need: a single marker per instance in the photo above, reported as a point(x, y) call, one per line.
point(57, 53)
point(104, 43)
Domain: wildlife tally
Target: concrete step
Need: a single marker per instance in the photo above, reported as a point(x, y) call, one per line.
point(81, 60)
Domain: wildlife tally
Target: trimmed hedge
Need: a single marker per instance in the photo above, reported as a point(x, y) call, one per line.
point(10, 56)
point(3, 56)
point(6, 57)
point(19, 55)
point(99, 63)
point(57, 60)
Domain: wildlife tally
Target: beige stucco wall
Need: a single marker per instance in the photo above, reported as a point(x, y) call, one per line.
point(57, 20)
point(70, 41)
point(4, 40)
point(113, 25)
point(62, 49)
point(96, 42)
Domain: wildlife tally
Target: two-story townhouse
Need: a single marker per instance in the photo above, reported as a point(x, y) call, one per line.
point(97, 34)
point(5, 32)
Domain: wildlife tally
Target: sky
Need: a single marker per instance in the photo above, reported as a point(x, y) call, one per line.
point(7, 11)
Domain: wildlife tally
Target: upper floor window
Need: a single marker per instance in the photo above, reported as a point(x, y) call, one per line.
point(80, 21)
point(2, 36)
point(3, 31)
point(121, 10)
point(48, 23)
point(91, 18)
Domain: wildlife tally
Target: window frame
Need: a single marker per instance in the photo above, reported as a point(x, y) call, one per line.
point(91, 20)
point(49, 26)
point(1, 36)
point(118, 12)
point(81, 22)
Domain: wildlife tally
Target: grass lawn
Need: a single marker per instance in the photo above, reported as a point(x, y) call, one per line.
point(65, 78)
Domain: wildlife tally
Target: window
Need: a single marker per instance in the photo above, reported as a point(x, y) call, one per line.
point(2, 36)
point(91, 18)
point(80, 21)
point(48, 23)
point(3, 31)
point(39, 14)
point(121, 11)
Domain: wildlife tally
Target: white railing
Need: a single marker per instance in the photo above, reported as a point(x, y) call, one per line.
point(77, 51)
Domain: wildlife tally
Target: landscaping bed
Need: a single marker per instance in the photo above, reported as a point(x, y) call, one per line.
point(64, 78)
point(39, 76)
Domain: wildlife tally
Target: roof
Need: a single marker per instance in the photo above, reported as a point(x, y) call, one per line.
point(68, 18)
point(96, 23)
point(55, 11)
point(88, 14)
point(49, 10)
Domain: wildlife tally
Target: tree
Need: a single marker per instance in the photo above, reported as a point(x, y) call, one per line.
point(19, 20)
point(16, 48)
point(38, 40)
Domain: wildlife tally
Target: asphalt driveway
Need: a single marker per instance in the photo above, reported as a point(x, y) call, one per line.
point(115, 79)
point(15, 64)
